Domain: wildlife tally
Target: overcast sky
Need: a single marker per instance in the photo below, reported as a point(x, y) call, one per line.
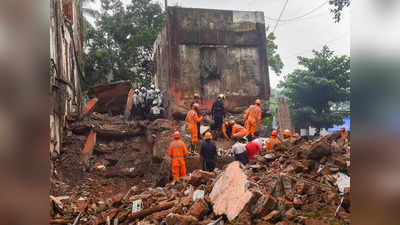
point(296, 37)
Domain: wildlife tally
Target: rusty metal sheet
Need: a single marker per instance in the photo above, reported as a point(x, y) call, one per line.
point(112, 96)
point(110, 90)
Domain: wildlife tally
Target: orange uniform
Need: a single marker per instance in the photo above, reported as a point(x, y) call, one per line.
point(177, 151)
point(224, 125)
point(272, 141)
point(345, 135)
point(289, 139)
point(192, 118)
point(238, 131)
point(253, 118)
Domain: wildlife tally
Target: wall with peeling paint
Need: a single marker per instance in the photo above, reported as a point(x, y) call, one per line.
point(66, 57)
point(210, 52)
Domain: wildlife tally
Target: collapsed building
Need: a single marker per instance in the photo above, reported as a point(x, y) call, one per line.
point(210, 52)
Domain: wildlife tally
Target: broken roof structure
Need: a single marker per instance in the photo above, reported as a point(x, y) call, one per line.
point(210, 52)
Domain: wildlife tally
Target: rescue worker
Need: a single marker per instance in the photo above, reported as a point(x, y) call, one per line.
point(209, 152)
point(193, 120)
point(272, 141)
point(177, 151)
point(136, 104)
point(218, 113)
point(239, 150)
point(196, 99)
point(237, 130)
point(159, 97)
point(156, 112)
point(253, 148)
point(287, 136)
point(150, 96)
point(296, 138)
point(253, 117)
point(226, 130)
point(344, 135)
point(142, 101)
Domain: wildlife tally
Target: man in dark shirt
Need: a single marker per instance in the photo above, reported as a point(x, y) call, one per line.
point(208, 152)
point(218, 113)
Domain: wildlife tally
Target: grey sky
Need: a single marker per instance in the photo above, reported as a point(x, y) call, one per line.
point(296, 37)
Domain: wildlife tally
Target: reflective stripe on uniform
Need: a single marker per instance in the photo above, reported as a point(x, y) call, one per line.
point(178, 156)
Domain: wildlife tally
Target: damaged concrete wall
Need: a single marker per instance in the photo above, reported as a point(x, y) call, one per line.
point(284, 121)
point(211, 52)
point(66, 54)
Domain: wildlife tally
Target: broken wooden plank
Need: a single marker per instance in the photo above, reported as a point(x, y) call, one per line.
point(60, 221)
point(149, 211)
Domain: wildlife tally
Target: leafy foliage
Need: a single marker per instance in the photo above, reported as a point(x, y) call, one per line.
point(338, 8)
point(274, 59)
point(314, 92)
point(120, 45)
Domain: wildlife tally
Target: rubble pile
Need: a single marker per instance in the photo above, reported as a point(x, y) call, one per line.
point(306, 183)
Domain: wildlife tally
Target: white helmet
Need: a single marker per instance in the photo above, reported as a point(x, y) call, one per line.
point(155, 102)
point(152, 86)
point(136, 90)
point(157, 90)
point(143, 89)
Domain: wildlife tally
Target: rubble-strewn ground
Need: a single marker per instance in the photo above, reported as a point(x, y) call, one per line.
point(297, 184)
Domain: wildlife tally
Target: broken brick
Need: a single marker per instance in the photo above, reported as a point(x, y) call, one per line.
point(229, 194)
point(176, 219)
point(199, 209)
point(272, 216)
point(291, 214)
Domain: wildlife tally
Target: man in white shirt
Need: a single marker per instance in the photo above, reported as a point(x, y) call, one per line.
point(239, 150)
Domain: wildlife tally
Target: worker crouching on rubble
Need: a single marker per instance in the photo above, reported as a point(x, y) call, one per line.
point(208, 152)
point(296, 138)
point(237, 130)
point(239, 150)
point(226, 130)
point(253, 117)
point(193, 120)
point(272, 141)
point(177, 151)
point(287, 136)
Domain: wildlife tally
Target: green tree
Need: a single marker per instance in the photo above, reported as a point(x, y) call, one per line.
point(120, 44)
point(274, 59)
point(315, 91)
point(338, 5)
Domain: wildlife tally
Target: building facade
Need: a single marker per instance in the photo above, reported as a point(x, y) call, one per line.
point(210, 52)
point(66, 57)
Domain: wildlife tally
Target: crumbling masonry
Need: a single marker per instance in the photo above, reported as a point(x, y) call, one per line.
point(210, 52)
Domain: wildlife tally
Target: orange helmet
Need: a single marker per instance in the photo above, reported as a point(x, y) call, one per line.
point(176, 134)
point(258, 101)
point(231, 122)
point(296, 135)
point(197, 95)
point(343, 128)
point(207, 135)
point(287, 132)
point(274, 133)
point(196, 105)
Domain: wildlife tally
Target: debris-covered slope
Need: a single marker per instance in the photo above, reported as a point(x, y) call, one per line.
point(297, 184)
